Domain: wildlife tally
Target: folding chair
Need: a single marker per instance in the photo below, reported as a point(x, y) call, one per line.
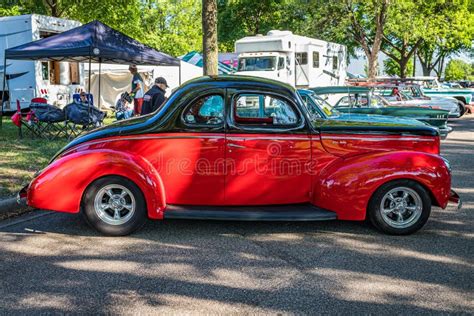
point(77, 98)
point(81, 117)
point(51, 120)
point(27, 119)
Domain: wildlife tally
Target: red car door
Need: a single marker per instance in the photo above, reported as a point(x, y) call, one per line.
point(191, 161)
point(268, 151)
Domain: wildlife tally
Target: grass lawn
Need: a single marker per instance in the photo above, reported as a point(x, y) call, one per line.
point(21, 158)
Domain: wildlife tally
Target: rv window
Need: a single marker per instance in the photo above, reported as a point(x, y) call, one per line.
point(74, 73)
point(302, 58)
point(281, 63)
point(45, 70)
point(334, 63)
point(265, 63)
point(54, 72)
point(315, 59)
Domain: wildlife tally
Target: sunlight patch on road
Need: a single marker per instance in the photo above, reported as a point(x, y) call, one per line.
point(41, 300)
point(372, 248)
point(374, 288)
point(109, 266)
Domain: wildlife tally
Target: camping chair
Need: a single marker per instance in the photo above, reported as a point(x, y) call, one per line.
point(76, 97)
point(27, 120)
point(81, 117)
point(51, 120)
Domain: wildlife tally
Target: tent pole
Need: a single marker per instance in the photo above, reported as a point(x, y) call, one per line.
point(179, 73)
point(3, 90)
point(89, 83)
point(100, 62)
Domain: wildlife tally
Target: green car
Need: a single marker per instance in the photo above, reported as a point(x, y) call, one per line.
point(432, 88)
point(353, 100)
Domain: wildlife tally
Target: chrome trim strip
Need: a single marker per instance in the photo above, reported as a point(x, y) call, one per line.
point(268, 138)
point(375, 138)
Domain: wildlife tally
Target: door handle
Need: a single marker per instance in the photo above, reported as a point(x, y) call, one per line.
point(235, 145)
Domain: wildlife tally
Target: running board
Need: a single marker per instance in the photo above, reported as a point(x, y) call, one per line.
point(294, 212)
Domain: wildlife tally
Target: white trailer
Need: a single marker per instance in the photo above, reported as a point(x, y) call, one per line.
point(300, 61)
point(53, 80)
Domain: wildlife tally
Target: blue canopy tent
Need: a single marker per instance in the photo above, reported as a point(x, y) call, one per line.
point(92, 42)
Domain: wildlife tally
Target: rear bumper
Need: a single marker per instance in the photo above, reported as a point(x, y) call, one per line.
point(444, 131)
point(454, 198)
point(21, 196)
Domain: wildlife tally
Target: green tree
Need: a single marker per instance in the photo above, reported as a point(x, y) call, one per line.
point(453, 33)
point(406, 27)
point(457, 69)
point(240, 18)
point(392, 68)
point(355, 23)
point(10, 10)
point(171, 26)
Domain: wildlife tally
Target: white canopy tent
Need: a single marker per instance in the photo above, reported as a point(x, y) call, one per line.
point(116, 79)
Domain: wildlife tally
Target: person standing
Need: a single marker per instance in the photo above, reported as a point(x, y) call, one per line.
point(137, 89)
point(155, 96)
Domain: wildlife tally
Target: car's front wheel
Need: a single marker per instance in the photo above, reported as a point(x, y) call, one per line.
point(114, 206)
point(400, 207)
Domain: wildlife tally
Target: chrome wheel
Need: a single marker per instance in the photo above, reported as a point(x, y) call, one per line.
point(114, 204)
point(401, 207)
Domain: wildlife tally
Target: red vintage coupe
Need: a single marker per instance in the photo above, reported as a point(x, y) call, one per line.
point(243, 148)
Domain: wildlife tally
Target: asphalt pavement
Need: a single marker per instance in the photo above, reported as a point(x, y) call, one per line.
point(55, 263)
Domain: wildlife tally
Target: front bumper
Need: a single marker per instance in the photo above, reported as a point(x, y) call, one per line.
point(454, 198)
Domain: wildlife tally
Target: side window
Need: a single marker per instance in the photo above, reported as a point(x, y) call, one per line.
point(207, 110)
point(343, 102)
point(259, 109)
point(334, 63)
point(315, 59)
point(302, 58)
point(360, 100)
point(281, 63)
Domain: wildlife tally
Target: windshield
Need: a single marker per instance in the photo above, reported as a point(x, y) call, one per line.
point(317, 107)
point(266, 63)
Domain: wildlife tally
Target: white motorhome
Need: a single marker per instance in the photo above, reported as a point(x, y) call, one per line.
point(53, 80)
point(300, 61)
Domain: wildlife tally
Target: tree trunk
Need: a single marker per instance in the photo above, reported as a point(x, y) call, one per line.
point(209, 37)
point(426, 69)
point(372, 67)
point(403, 67)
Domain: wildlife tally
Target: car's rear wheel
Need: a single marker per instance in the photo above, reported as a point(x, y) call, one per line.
point(114, 206)
point(400, 207)
point(462, 108)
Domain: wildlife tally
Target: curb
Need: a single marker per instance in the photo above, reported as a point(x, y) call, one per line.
point(10, 205)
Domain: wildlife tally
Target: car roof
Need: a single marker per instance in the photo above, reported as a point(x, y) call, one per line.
point(340, 89)
point(238, 80)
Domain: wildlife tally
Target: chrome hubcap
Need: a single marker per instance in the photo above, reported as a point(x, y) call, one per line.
point(114, 204)
point(401, 207)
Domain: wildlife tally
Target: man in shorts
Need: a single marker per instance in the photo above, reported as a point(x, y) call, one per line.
point(137, 90)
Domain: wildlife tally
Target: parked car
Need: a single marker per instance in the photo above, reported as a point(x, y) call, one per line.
point(413, 95)
point(362, 100)
point(405, 98)
point(418, 89)
point(245, 148)
point(432, 88)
